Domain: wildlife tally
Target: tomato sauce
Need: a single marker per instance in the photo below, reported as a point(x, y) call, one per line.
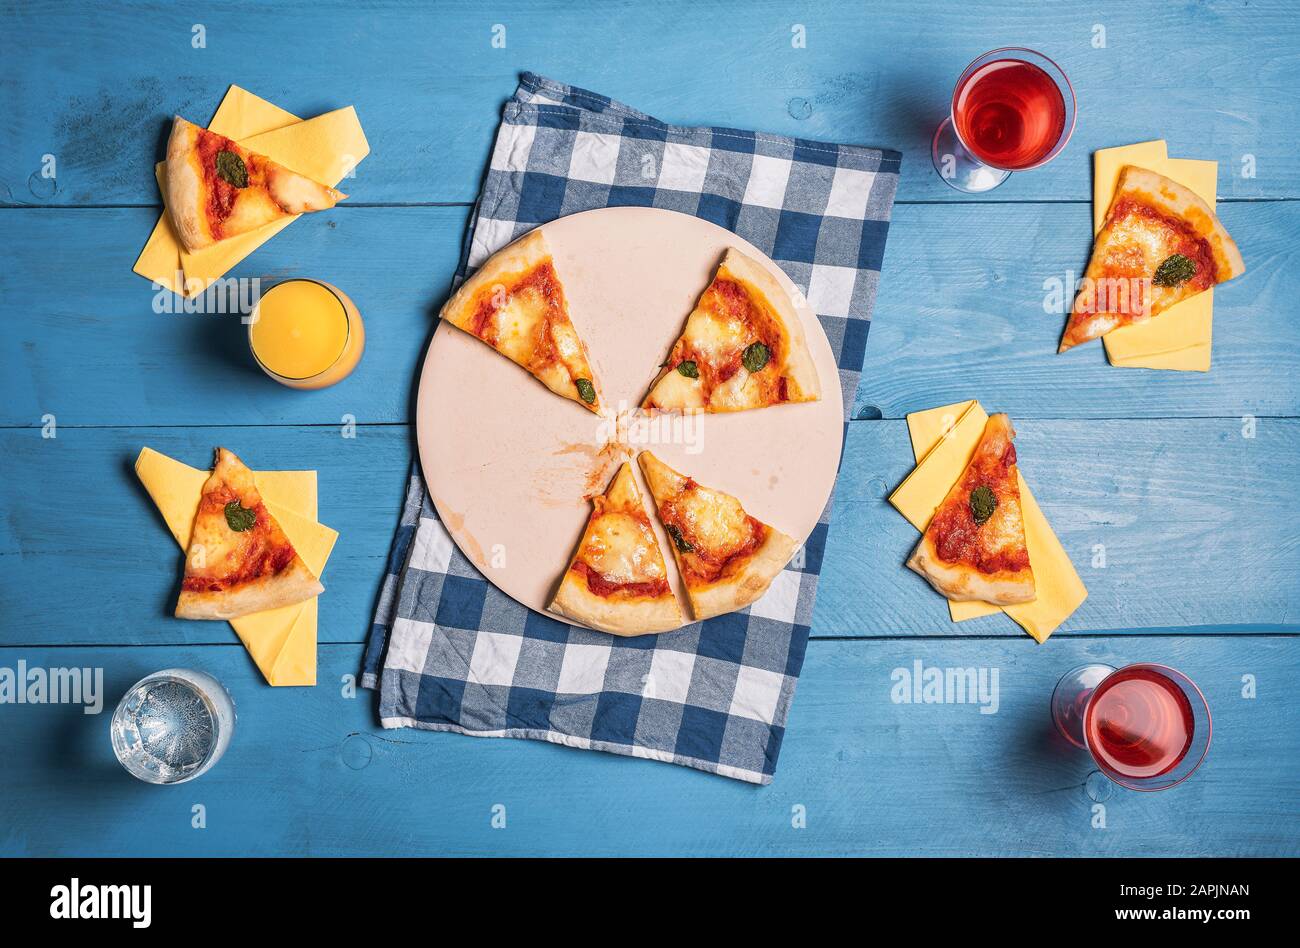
point(221, 193)
point(605, 588)
point(958, 538)
point(265, 550)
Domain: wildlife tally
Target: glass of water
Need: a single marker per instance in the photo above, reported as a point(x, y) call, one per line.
point(172, 726)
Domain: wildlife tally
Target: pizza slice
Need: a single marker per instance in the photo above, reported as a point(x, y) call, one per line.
point(515, 303)
point(743, 347)
point(974, 546)
point(617, 581)
point(239, 560)
point(726, 558)
point(216, 189)
point(1159, 245)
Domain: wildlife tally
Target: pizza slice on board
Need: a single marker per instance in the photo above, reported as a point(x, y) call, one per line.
point(974, 546)
point(216, 189)
point(743, 347)
point(617, 581)
point(726, 558)
point(239, 560)
point(1160, 244)
point(515, 303)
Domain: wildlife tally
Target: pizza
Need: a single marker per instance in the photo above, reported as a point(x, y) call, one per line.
point(1159, 245)
point(239, 560)
point(742, 347)
point(974, 546)
point(726, 558)
point(216, 189)
point(617, 581)
point(515, 303)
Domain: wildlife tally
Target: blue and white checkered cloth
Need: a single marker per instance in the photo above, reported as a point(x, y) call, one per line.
point(448, 650)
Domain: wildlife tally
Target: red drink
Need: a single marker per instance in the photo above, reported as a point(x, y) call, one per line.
point(1010, 114)
point(1139, 723)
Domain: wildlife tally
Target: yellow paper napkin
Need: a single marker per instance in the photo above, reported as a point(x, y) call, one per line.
point(1180, 337)
point(282, 642)
point(325, 148)
point(943, 440)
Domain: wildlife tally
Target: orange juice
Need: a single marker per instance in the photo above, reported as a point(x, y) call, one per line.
point(306, 334)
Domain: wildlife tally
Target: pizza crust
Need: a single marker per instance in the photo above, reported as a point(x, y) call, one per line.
point(575, 601)
point(962, 583)
point(184, 186)
point(747, 586)
point(1175, 200)
point(799, 366)
point(291, 585)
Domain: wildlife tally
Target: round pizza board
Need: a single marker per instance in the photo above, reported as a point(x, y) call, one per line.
point(511, 466)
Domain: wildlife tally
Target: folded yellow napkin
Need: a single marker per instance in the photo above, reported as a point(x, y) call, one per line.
point(281, 641)
point(325, 149)
point(1179, 338)
point(943, 440)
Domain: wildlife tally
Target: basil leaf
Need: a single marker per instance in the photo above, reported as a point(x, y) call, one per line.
point(688, 369)
point(683, 545)
point(239, 518)
point(755, 357)
point(586, 391)
point(1175, 271)
point(982, 504)
point(231, 169)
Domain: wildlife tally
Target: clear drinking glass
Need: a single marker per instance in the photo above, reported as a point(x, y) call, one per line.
point(1012, 109)
point(172, 726)
point(1146, 726)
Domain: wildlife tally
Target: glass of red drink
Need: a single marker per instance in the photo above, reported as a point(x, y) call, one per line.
point(1147, 726)
point(1012, 109)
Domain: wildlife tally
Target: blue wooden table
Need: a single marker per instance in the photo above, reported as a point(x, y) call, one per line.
point(1189, 482)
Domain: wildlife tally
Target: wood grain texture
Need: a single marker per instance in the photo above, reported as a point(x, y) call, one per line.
point(1218, 79)
point(1197, 525)
point(308, 772)
point(1198, 522)
point(960, 310)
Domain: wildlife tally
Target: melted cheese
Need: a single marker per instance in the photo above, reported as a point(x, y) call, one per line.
point(622, 548)
point(714, 520)
point(716, 337)
point(516, 327)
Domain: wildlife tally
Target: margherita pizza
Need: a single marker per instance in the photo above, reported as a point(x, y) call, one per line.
point(216, 189)
point(726, 558)
point(743, 347)
point(515, 303)
point(239, 560)
point(974, 546)
point(617, 581)
point(1159, 245)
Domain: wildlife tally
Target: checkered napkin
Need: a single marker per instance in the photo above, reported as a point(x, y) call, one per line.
point(448, 650)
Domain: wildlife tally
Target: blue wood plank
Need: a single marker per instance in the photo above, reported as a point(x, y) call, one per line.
point(960, 310)
point(879, 73)
point(309, 773)
point(108, 537)
point(95, 351)
point(1195, 521)
point(1175, 524)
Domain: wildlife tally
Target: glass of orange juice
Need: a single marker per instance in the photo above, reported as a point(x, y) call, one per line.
point(306, 334)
